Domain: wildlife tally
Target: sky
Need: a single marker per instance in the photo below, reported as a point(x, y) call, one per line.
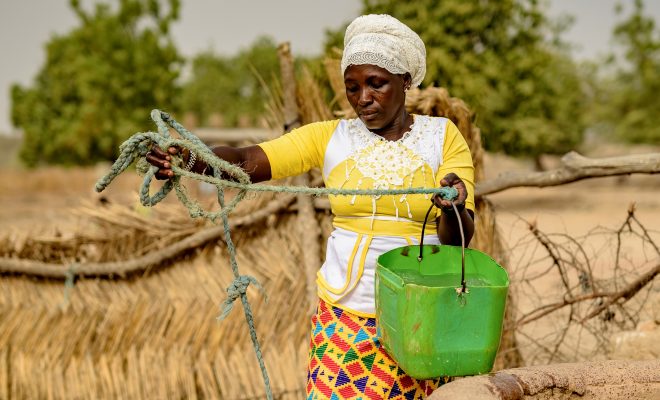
point(226, 26)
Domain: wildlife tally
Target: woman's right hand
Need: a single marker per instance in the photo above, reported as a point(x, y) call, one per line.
point(162, 160)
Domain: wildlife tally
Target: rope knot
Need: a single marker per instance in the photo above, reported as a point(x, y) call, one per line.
point(236, 289)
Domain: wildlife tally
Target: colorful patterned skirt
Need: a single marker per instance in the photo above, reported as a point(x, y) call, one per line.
point(346, 361)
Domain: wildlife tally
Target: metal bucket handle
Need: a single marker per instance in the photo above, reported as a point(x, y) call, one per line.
point(463, 288)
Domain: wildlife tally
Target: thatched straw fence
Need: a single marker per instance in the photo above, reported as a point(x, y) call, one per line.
point(153, 333)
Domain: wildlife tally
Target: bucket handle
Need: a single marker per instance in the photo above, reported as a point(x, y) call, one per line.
point(463, 288)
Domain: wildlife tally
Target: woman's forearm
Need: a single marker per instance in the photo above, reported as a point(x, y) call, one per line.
point(251, 159)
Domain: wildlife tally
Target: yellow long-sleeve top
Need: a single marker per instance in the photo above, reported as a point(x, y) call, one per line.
point(352, 157)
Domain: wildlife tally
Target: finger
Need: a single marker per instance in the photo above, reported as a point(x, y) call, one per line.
point(158, 161)
point(448, 181)
point(155, 149)
point(439, 202)
point(462, 192)
point(163, 154)
point(445, 204)
point(173, 150)
point(164, 174)
point(451, 179)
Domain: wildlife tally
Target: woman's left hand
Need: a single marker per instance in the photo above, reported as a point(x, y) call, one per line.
point(452, 180)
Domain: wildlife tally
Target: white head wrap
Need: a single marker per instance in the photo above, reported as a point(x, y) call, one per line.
point(383, 40)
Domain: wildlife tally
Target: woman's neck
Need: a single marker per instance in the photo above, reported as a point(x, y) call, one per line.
point(397, 128)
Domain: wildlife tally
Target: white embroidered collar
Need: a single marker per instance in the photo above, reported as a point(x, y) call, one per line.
point(388, 164)
point(363, 136)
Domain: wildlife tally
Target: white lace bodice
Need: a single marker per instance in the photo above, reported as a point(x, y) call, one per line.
point(392, 164)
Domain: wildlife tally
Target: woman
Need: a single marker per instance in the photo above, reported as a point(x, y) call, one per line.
point(384, 148)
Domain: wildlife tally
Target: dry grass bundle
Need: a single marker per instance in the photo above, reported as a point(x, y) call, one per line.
point(437, 102)
point(311, 102)
point(157, 336)
point(105, 231)
point(153, 335)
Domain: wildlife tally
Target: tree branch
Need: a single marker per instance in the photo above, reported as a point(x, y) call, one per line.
point(611, 297)
point(150, 260)
point(627, 292)
point(575, 167)
point(309, 229)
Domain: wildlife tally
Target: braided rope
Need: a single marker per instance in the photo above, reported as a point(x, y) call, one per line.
point(138, 145)
point(69, 284)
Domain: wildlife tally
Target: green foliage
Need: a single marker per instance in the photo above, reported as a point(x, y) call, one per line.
point(505, 60)
point(628, 101)
point(99, 83)
point(231, 86)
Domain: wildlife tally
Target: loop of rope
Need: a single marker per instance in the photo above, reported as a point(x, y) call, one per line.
point(137, 147)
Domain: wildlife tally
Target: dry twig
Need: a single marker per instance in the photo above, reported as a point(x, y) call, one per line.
point(603, 295)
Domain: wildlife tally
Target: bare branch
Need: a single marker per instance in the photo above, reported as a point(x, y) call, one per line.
point(627, 292)
point(548, 245)
point(550, 308)
point(145, 262)
point(575, 167)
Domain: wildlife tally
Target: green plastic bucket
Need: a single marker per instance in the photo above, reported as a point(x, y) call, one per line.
point(427, 324)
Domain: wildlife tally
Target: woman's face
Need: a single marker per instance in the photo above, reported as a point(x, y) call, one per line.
point(376, 95)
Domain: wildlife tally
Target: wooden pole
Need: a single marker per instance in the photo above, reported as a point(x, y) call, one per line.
point(309, 229)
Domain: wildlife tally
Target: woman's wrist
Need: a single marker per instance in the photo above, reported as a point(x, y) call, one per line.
point(191, 161)
point(194, 164)
point(451, 210)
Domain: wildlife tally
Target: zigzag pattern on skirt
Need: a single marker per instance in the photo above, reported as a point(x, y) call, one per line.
point(346, 361)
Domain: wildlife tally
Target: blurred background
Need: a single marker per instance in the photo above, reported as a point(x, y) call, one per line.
point(539, 75)
point(527, 81)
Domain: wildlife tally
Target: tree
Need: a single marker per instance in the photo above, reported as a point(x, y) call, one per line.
point(230, 85)
point(628, 100)
point(505, 60)
point(99, 83)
